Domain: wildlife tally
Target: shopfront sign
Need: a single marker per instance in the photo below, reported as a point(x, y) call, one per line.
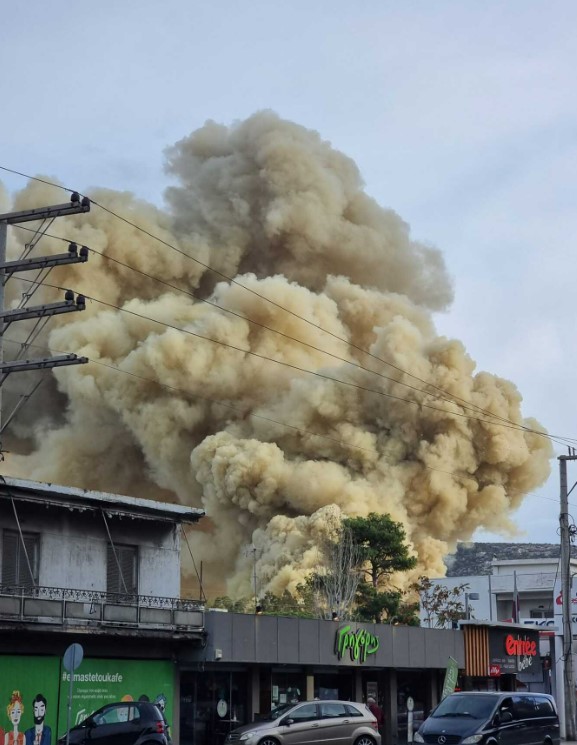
point(520, 646)
point(494, 671)
point(515, 651)
point(359, 643)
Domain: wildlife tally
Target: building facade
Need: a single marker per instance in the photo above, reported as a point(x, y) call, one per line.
point(525, 591)
point(102, 571)
point(252, 663)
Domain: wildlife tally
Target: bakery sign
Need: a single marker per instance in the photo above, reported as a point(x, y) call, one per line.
point(515, 651)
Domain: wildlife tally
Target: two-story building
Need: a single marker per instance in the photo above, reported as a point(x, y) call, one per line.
point(100, 570)
point(506, 582)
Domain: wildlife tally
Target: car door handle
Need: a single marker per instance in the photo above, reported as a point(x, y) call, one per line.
point(314, 725)
point(346, 721)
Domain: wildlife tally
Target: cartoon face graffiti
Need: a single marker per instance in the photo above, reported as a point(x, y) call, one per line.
point(16, 713)
point(15, 708)
point(39, 709)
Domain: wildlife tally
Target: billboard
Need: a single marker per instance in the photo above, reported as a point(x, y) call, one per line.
point(28, 699)
point(515, 651)
point(34, 693)
point(102, 681)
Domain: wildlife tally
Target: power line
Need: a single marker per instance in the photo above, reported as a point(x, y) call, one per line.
point(208, 399)
point(345, 445)
point(272, 330)
point(316, 373)
point(492, 418)
point(452, 397)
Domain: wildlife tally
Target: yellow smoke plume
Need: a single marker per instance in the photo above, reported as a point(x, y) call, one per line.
point(273, 453)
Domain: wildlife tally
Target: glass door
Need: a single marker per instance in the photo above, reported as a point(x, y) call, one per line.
point(212, 703)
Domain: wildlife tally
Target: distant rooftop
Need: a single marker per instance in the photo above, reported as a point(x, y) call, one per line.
point(472, 559)
point(84, 499)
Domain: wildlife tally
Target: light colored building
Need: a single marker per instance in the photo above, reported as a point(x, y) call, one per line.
point(501, 584)
point(98, 570)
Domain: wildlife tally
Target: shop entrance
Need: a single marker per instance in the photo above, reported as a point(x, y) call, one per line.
point(415, 685)
point(212, 703)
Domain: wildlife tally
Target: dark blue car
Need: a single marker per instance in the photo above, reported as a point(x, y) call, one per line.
point(490, 718)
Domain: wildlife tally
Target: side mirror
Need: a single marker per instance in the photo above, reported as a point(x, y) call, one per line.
point(287, 722)
point(506, 716)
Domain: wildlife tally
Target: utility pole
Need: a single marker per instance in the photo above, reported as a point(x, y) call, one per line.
point(565, 532)
point(8, 268)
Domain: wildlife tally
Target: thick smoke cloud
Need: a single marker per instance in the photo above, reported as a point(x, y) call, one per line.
point(275, 455)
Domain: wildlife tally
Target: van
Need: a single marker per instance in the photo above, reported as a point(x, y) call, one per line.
point(506, 718)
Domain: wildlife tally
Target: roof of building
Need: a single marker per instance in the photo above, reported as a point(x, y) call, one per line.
point(84, 499)
point(473, 559)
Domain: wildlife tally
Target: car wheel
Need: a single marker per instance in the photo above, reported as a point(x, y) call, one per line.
point(364, 740)
point(268, 741)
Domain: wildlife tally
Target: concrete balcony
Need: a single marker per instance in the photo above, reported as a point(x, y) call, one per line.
point(67, 609)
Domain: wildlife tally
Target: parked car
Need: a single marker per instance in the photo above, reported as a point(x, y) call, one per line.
point(123, 723)
point(334, 722)
point(490, 718)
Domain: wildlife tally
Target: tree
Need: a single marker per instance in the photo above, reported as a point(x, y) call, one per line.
point(233, 606)
point(382, 546)
point(382, 551)
point(298, 605)
point(442, 606)
point(335, 584)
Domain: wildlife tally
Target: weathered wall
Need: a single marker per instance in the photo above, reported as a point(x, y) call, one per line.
point(73, 547)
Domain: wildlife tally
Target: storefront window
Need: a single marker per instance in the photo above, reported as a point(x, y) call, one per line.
point(287, 687)
point(334, 686)
point(211, 705)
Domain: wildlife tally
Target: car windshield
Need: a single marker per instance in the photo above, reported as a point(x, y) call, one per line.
point(475, 707)
point(278, 711)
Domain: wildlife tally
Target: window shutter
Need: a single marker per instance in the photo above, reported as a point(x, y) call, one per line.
point(10, 558)
point(15, 570)
point(123, 579)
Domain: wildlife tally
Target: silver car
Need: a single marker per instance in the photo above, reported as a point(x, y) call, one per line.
point(311, 723)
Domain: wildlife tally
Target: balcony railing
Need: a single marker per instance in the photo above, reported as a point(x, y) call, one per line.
point(70, 607)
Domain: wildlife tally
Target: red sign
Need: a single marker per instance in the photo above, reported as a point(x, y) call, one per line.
point(516, 646)
point(559, 599)
point(494, 671)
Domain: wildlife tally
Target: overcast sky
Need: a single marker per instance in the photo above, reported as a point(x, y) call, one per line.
point(462, 116)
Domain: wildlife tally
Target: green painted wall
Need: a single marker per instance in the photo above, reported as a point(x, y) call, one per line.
point(29, 676)
point(97, 682)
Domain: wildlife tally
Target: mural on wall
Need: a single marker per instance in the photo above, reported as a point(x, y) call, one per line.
point(102, 681)
point(34, 693)
point(28, 700)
